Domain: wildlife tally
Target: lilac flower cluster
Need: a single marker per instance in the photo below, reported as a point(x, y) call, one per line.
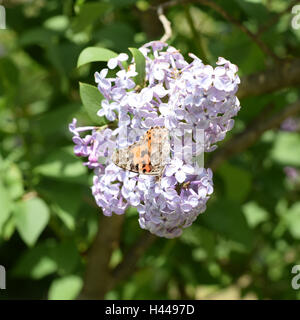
point(177, 95)
point(166, 211)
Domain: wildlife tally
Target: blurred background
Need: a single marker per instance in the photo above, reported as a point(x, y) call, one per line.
point(54, 241)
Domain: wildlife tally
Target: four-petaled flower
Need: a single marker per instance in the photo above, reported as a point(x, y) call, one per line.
point(107, 110)
point(114, 62)
point(179, 169)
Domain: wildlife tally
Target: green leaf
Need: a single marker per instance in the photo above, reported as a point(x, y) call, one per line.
point(5, 205)
point(292, 219)
point(14, 181)
point(91, 99)
point(31, 217)
point(200, 237)
point(237, 182)
point(66, 288)
point(39, 35)
point(9, 73)
point(63, 57)
point(54, 122)
point(254, 214)
point(93, 54)
point(226, 217)
point(116, 258)
point(116, 36)
point(46, 258)
point(8, 228)
point(57, 23)
point(140, 65)
point(89, 13)
point(286, 148)
point(37, 262)
point(254, 9)
point(64, 204)
point(66, 256)
point(63, 165)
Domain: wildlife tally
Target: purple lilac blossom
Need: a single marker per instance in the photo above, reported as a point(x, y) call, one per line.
point(291, 124)
point(292, 174)
point(176, 94)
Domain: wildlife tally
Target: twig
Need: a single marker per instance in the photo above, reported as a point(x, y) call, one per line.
point(242, 141)
point(166, 24)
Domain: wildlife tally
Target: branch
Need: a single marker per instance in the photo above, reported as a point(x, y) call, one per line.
point(248, 137)
point(229, 18)
point(98, 277)
point(128, 265)
point(282, 76)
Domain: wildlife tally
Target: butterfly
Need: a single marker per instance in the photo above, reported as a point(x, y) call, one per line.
point(148, 156)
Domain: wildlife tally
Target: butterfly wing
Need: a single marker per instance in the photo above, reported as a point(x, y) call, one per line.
point(147, 156)
point(129, 158)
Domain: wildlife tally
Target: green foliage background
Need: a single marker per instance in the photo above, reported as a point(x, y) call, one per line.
point(243, 246)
